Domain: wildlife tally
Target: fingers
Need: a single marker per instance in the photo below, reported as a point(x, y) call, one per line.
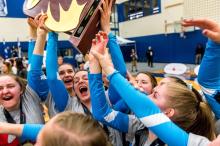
point(110, 4)
point(99, 38)
point(93, 42)
point(96, 54)
point(104, 35)
point(101, 10)
point(215, 36)
point(104, 5)
point(42, 21)
point(31, 22)
point(202, 23)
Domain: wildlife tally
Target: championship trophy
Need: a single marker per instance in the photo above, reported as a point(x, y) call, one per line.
point(78, 18)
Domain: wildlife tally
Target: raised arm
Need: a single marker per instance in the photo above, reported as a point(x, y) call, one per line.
point(209, 72)
point(36, 78)
point(56, 85)
point(116, 55)
point(149, 114)
point(100, 109)
point(32, 26)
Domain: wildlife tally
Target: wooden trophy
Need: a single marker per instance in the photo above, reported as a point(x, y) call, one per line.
point(78, 18)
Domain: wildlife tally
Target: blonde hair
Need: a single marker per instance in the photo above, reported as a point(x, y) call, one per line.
point(191, 114)
point(74, 129)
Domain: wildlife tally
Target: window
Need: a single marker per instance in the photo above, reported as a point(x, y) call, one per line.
point(135, 9)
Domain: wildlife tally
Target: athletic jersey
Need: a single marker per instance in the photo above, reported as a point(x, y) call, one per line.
point(148, 113)
point(35, 92)
point(32, 110)
point(58, 100)
point(56, 85)
point(209, 76)
point(196, 140)
point(73, 104)
point(105, 114)
point(119, 64)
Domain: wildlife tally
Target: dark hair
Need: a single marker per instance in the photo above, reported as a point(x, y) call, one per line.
point(68, 64)
point(79, 71)
point(19, 64)
point(152, 78)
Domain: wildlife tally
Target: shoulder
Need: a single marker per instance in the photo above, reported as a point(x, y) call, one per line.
point(195, 140)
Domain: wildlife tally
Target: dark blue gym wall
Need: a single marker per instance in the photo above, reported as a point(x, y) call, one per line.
point(15, 9)
point(170, 48)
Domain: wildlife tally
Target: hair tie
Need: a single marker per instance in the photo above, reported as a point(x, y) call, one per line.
point(189, 86)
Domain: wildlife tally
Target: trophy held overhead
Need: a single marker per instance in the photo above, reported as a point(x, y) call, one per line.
point(78, 18)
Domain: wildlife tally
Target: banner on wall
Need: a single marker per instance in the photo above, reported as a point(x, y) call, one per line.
point(78, 18)
point(3, 8)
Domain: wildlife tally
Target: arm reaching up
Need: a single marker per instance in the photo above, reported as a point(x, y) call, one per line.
point(209, 72)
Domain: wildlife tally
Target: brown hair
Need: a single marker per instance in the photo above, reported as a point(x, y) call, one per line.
point(191, 114)
point(152, 78)
point(67, 64)
point(74, 129)
point(9, 67)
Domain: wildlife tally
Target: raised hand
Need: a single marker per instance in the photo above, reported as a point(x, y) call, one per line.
point(211, 29)
point(100, 52)
point(105, 15)
point(41, 28)
point(32, 28)
point(100, 42)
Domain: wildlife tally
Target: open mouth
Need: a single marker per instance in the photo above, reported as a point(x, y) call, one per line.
point(83, 90)
point(7, 98)
point(68, 81)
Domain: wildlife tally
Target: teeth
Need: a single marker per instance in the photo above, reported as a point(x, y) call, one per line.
point(7, 98)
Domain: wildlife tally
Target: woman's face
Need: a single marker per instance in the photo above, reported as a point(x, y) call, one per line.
point(10, 92)
point(144, 82)
point(166, 80)
point(4, 68)
point(66, 74)
point(160, 96)
point(81, 86)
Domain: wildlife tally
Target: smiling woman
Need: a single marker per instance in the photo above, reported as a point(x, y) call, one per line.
point(20, 104)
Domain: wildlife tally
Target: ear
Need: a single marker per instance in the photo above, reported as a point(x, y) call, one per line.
point(169, 112)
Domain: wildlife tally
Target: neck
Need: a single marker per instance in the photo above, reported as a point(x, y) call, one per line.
point(71, 92)
point(151, 136)
point(87, 104)
point(16, 107)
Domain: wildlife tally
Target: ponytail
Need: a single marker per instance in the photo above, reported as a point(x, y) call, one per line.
point(204, 122)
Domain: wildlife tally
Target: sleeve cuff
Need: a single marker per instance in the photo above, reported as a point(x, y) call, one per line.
point(109, 77)
point(95, 76)
point(30, 131)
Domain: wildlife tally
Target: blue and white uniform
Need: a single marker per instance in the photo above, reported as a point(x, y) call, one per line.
point(36, 91)
point(59, 100)
point(209, 76)
point(105, 114)
point(119, 64)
